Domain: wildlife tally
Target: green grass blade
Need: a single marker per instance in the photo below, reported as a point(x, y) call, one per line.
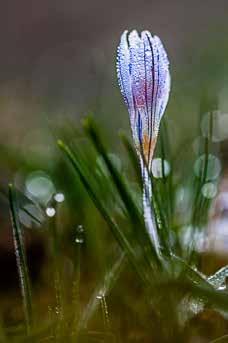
point(132, 155)
point(191, 274)
point(21, 259)
point(222, 339)
point(218, 299)
point(103, 289)
point(134, 215)
point(118, 234)
point(56, 256)
point(76, 288)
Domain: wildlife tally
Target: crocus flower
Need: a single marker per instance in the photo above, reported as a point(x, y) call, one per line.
point(144, 80)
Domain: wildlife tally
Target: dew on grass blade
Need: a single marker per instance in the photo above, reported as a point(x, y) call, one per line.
point(79, 235)
point(59, 197)
point(99, 296)
point(222, 288)
point(50, 212)
point(79, 240)
point(213, 166)
point(39, 186)
point(209, 190)
point(159, 167)
point(104, 309)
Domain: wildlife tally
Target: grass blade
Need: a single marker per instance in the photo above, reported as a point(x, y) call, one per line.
point(102, 289)
point(132, 155)
point(21, 258)
point(134, 215)
point(118, 234)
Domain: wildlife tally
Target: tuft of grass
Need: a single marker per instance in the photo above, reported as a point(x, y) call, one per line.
point(166, 296)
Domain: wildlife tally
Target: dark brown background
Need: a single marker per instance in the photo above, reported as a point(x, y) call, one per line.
point(57, 57)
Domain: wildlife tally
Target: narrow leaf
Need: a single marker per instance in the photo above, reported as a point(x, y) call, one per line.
point(21, 258)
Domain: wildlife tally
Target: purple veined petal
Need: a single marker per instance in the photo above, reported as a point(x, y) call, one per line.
point(151, 89)
point(144, 79)
point(139, 90)
point(149, 72)
point(126, 65)
point(155, 69)
point(164, 79)
point(136, 48)
point(158, 79)
point(139, 129)
point(123, 73)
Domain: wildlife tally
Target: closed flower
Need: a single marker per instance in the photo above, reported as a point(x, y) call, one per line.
point(144, 79)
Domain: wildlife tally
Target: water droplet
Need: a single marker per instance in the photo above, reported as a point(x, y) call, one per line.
point(157, 165)
point(79, 240)
point(99, 296)
point(222, 288)
point(213, 166)
point(39, 186)
point(59, 197)
point(50, 211)
point(80, 229)
point(209, 190)
point(79, 234)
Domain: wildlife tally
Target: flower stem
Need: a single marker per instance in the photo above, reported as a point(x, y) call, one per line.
point(148, 212)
